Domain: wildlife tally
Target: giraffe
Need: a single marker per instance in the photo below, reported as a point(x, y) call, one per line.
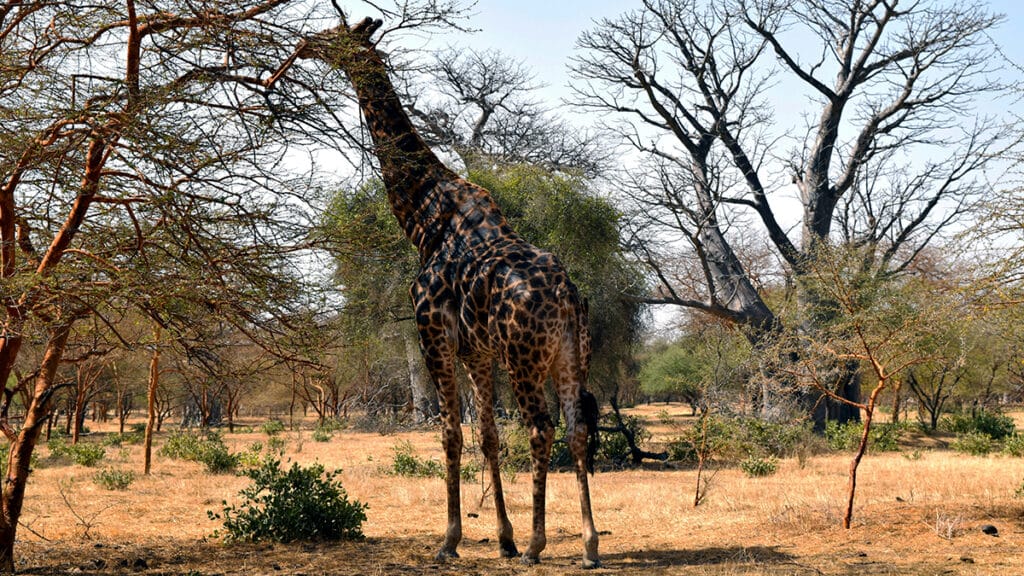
point(483, 295)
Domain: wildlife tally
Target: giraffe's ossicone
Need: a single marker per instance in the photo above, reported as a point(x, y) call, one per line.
point(483, 295)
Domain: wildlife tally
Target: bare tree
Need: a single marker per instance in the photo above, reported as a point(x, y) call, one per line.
point(686, 82)
point(483, 104)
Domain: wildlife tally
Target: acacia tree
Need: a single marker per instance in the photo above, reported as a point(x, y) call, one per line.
point(685, 81)
point(142, 167)
point(890, 327)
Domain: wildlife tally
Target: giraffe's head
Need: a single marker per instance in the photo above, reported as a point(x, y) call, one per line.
point(341, 43)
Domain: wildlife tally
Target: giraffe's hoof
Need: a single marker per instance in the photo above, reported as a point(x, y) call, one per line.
point(444, 554)
point(589, 564)
point(508, 550)
point(529, 560)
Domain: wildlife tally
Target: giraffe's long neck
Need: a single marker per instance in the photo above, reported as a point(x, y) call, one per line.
point(420, 188)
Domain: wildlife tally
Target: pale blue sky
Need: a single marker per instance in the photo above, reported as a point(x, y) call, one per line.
point(543, 33)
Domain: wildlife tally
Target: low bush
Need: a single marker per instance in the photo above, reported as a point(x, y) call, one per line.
point(301, 503)
point(322, 434)
point(614, 446)
point(277, 445)
point(758, 467)
point(405, 462)
point(996, 425)
point(83, 453)
point(845, 437)
point(114, 479)
point(774, 439)
point(716, 438)
point(974, 443)
point(272, 427)
point(1013, 445)
point(117, 440)
point(208, 449)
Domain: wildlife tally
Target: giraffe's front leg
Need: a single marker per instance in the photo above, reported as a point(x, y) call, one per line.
point(451, 438)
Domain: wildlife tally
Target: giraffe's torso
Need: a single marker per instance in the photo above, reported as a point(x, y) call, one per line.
point(491, 291)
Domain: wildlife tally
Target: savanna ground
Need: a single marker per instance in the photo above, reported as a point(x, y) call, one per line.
point(918, 512)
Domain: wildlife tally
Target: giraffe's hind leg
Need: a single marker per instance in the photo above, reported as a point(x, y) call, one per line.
point(563, 374)
point(481, 372)
point(528, 387)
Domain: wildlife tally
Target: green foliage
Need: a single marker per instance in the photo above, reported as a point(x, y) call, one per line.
point(995, 425)
point(515, 442)
point(301, 503)
point(83, 453)
point(277, 445)
point(116, 440)
point(758, 467)
point(322, 434)
point(1013, 445)
point(470, 470)
point(711, 436)
point(114, 479)
point(675, 372)
point(208, 449)
point(974, 443)
point(406, 463)
point(775, 439)
point(845, 437)
point(272, 427)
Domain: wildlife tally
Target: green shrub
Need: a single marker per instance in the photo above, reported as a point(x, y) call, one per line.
point(997, 426)
point(208, 449)
point(332, 425)
point(1013, 445)
point(113, 479)
point(683, 448)
point(138, 428)
point(470, 470)
point(974, 443)
point(778, 439)
point(406, 463)
point(272, 427)
point(322, 434)
point(217, 459)
point(302, 503)
point(758, 467)
point(515, 450)
point(277, 445)
point(83, 453)
point(844, 437)
point(716, 437)
point(182, 445)
point(117, 440)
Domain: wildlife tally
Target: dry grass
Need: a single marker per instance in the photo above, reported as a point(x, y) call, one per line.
point(912, 517)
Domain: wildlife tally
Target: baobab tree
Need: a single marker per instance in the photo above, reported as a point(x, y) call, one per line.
point(885, 154)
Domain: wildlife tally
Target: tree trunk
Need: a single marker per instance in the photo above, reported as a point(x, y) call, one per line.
point(37, 413)
point(79, 415)
point(424, 397)
point(869, 410)
point(154, 379)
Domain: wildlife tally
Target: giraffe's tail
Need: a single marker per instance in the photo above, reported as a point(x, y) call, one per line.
point(591, 413)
